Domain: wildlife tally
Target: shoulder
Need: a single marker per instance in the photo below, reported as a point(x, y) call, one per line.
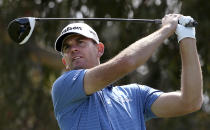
point(69, 84)
point(70, 77)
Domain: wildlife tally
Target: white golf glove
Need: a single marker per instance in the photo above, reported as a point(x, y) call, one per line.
point(182, 31)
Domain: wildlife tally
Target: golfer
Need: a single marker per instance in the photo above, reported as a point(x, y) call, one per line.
point(84, 97)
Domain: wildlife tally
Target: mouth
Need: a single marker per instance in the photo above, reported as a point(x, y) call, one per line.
point(76, 58)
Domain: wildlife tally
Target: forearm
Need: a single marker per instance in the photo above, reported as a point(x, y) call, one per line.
point(139, 52)
point(191, 78)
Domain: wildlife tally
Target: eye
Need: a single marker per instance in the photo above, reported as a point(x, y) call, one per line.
point(65, 48)
point(81, 42)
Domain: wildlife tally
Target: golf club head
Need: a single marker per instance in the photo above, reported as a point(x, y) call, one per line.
point(21, 29)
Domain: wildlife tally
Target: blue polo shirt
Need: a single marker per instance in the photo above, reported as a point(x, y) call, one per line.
point(112, 108)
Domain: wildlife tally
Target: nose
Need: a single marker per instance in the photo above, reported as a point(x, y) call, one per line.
point(74, 49)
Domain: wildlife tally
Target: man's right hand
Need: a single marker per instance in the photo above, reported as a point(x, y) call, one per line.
point(171, 21)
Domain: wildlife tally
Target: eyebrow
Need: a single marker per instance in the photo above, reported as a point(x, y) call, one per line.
point(81, 38)
point(77, 38)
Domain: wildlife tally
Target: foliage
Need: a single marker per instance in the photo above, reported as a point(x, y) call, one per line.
point(26, 79)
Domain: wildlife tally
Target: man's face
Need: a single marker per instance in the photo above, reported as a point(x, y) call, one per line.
point(80, 52)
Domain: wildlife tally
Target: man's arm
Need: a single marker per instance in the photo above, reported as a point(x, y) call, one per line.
point(189, 99)
point(129, 59)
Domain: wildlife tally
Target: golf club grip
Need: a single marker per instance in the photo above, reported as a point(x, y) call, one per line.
point(190, 24)
point(155, 21)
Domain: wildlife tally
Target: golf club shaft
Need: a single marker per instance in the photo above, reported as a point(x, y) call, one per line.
point(156, 21)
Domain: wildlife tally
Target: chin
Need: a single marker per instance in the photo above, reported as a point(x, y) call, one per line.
point(81, 66)
point(78, 67)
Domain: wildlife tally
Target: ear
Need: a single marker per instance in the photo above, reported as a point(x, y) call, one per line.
point(100, 49)
point(66, 65)
point(64, 61)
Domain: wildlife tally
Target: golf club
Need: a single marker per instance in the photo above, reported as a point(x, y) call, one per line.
point(20, 29)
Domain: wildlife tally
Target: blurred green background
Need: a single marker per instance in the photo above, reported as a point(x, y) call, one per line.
point(27, 72)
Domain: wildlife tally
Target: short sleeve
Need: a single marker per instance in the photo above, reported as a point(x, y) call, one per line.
point(67, 89)
point(148, 96)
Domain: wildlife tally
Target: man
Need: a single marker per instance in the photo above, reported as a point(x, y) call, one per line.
point(84, 98)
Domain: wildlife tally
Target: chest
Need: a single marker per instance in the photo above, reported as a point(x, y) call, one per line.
point(119, 105)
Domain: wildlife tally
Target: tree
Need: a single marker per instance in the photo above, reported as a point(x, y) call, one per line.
point(28, 71)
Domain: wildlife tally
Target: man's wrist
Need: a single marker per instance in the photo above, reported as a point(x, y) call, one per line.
point(168, 29)
point(187, 40)
point(185, 32)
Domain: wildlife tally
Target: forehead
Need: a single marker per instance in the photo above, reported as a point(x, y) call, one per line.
point(74, 37)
